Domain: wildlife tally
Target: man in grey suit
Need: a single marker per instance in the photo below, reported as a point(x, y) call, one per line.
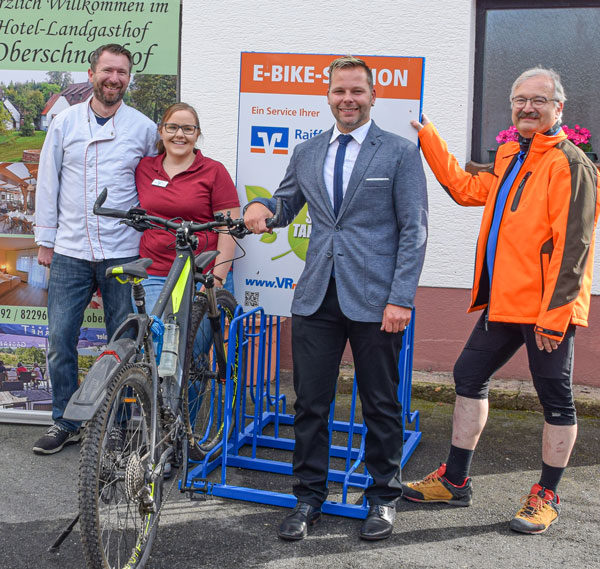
point(367, 200)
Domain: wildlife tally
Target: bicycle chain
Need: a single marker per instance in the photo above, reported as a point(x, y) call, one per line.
point(174, 474)
point(162, 505)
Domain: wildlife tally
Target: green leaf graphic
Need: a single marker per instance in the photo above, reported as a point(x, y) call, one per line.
point(299, 233)
point(293, 249)
point(268, 237)
point(253, 192)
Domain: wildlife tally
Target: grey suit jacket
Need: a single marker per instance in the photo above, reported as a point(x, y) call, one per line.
point(377, 242)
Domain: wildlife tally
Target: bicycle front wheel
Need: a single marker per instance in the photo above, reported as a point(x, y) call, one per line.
point(206, 393)
point(119, 500)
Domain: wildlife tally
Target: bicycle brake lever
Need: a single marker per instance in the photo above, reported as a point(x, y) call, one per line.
point(240, 232)
point(137, 225)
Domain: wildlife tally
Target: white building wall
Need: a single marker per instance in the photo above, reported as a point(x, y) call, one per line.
point(60, 105)
point(14, 113)
point(215, 32)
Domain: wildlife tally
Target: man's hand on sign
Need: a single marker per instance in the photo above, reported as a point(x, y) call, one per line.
point(255, 216)
point(419, 125)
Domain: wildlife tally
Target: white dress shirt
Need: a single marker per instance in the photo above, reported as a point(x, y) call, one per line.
point(78, 160)
point(352, 150)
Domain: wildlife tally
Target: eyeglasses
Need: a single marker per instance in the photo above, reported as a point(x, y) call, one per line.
point(536, 102)
point(172, 128)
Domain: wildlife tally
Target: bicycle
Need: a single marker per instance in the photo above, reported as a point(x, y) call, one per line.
point(141, 415)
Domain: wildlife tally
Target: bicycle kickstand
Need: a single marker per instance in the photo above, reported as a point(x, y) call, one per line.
point(55, 546)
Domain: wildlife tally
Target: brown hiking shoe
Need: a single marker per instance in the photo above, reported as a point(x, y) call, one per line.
point(540, 510)
point(436, 488)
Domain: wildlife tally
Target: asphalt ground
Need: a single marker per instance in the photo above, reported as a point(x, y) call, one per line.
point(38, 498)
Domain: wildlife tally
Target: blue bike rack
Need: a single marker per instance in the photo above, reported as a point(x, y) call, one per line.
point(262, 407)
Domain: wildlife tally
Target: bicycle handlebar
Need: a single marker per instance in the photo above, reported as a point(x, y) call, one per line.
point(138, 217)
point(106, 211)
point(271, 221)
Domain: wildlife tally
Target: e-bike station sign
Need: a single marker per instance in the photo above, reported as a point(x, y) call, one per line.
point(283, 103)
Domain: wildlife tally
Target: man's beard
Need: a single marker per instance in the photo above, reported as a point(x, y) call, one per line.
point(99, 95)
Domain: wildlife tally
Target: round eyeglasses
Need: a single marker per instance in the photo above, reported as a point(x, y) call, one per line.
point(172, 128)
point(536, 102)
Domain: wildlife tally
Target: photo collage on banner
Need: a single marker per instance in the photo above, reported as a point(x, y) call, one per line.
point(283, 103)
point(44, 57)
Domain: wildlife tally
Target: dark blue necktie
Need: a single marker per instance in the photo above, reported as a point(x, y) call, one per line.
point(338, 172)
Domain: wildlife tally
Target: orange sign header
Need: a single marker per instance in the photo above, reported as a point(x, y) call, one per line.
point(308, 74)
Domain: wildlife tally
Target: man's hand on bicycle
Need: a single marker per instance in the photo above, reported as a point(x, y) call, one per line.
point(255, 218)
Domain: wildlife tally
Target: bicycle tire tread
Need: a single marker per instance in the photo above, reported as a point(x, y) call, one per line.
point(90, 457)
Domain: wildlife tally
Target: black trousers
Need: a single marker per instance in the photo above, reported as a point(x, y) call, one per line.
point(488, 349)
point(318, 342)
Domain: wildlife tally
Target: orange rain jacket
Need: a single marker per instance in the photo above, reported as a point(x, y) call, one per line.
point(545, 250)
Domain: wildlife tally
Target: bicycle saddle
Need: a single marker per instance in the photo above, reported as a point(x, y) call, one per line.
point(135, 271)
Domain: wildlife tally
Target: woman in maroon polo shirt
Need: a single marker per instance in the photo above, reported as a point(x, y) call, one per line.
point(183, 183)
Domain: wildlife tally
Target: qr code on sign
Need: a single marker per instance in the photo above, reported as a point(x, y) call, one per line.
point(251, 298)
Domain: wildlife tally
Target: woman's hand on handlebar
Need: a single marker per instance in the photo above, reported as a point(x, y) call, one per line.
point(255, 218)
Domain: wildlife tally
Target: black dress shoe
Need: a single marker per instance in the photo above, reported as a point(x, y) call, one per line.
point(295, 525)
point(379, 523)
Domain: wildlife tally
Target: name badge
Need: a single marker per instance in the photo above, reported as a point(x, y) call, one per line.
point(160, 183)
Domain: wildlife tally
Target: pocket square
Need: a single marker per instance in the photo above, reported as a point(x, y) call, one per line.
point(377, 179)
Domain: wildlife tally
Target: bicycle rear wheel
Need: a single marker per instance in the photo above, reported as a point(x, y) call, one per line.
point(118, 502)
point(205, 405)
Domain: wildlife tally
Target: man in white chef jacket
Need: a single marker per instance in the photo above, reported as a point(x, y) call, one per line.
point(90, 146)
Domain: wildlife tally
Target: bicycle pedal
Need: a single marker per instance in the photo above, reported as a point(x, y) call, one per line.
point(196, 497)
point(200, 489)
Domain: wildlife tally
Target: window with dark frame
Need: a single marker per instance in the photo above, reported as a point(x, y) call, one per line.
point(514, 35)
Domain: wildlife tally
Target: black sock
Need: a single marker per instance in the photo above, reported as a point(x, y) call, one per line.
point(458, 465)
point(551, 476)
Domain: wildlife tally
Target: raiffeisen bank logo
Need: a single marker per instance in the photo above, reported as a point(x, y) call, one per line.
point(270, 139)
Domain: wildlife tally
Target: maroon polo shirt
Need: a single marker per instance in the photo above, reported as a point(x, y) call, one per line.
point(194, 195)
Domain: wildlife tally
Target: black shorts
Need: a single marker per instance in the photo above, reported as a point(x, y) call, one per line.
point(486, 351)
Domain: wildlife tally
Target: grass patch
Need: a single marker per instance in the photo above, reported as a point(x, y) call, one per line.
point(12, 145)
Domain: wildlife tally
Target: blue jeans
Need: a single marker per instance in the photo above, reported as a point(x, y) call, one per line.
point(71, 286)
point(154, 284)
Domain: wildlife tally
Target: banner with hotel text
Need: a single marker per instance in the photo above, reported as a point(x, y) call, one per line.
point(45, 46)
point(283, 102)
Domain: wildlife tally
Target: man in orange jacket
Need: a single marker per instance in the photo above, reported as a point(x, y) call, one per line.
point(533, 275)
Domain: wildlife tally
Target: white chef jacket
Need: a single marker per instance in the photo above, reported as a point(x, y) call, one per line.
point(78, 160)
